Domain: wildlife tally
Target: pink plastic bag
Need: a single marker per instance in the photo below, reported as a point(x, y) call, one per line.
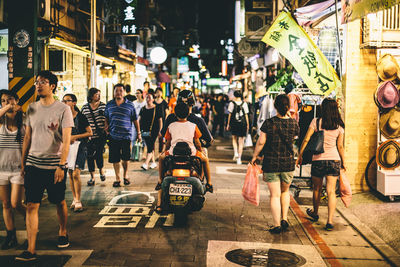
point(345, 189)
point(251, 188)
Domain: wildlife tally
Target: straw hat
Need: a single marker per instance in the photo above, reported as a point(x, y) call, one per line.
point(387, 95)
point(387, 68)
point(389, 123)
point(388, 155)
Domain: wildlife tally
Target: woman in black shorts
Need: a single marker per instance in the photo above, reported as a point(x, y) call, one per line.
point(327, 164)
point(150, 119)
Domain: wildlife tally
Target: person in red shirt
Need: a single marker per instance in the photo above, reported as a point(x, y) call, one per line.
point(172, 100)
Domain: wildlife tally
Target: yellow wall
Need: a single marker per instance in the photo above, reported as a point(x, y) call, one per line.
point(360, 81)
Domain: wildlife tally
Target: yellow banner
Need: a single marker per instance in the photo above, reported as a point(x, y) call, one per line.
point(294, 44)
point(356, 9)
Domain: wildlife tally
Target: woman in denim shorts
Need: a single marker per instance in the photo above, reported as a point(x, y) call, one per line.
point(327, 164)
point(276, 143)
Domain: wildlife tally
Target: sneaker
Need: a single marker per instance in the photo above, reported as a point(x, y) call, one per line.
point(78, 207)
point(239, 161)
point(72, 205)
point(284, 225)
point(328, 227)
point(10, 241)
point(275, 230)
point(153, 165)
point(62, 242)
point(102, 177)
point(26, 256)
point(313, 216)
point(90, 182)
point(144, 167)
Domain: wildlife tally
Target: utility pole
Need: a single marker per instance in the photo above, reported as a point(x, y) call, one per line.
point(93, 68)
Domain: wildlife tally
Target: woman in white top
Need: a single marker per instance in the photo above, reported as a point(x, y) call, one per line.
point(238, 124)
point(11, 182)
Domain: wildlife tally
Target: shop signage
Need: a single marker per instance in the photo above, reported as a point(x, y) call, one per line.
point(355, 9)
point(128, 17)
point(183, 65)
point(3, 43)
point(294, 44)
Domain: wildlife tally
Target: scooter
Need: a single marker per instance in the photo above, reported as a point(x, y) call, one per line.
point(183, 189)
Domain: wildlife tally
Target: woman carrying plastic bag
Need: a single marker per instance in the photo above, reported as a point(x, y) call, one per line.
point(251, 187)
point(276, 142)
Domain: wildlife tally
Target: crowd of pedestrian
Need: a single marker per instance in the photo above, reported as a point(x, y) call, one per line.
point(54, 139)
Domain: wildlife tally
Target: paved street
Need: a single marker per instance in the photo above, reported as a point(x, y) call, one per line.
point(120, 228)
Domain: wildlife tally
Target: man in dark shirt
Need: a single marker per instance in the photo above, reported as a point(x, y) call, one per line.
point(186, 96)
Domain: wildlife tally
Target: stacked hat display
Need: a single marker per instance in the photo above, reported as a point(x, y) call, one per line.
point(387, 99)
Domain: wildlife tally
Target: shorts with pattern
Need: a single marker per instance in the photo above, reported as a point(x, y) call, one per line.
point(322, 168)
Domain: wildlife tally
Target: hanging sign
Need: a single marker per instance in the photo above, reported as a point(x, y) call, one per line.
point(293, 43)
point(356, 9)
point(128, 17)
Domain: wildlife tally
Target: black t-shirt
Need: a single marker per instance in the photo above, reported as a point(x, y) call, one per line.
point(219, 108)
point(80, 124)
point(163, 107)
point(146, 118)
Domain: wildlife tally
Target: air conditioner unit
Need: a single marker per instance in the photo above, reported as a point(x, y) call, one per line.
point(255, 21)
point(44, 9)
point(382, 29)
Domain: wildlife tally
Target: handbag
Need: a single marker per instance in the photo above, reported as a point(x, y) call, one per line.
point(137, 151)
point(72, 155)
point(248, 142)
point(316, 144)
point(148, 133)
point(93, 143)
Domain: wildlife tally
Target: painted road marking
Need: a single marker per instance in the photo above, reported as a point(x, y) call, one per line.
point(114, 200)
point(112, 210)
point(118, 221)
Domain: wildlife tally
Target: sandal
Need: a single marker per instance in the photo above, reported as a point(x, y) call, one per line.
point(158, 187)
point(126, 181)
point(117, 184)
point(158, 210)
point(313, 216)
point(102, 177)
point(90, 182)
point(209, 188)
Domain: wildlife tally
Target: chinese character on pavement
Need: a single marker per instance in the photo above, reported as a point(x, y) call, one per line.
point(284, 25)
point(129, 13)
point(275, 36)
point(310, 61)
point(323, 86)
point(293, 42)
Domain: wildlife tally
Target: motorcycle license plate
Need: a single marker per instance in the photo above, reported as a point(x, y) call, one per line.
point(180, 190)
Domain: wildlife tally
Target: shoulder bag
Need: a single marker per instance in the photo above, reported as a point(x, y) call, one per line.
point(316, 144)
point(148, 133)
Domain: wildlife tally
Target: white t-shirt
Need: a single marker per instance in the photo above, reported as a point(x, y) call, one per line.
point(138, 106)
point(182, 131)
point(232, 106)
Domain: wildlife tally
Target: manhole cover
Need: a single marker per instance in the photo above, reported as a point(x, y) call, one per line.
point(134, 199)
point(237, 170)
point(261, 257)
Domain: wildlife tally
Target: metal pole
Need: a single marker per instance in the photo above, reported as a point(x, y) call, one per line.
point(338, 38)
point(93, 70)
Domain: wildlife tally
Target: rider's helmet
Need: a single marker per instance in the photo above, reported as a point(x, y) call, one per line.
point(186, 96)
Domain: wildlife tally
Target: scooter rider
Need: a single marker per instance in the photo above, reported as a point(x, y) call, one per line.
point(187, 97)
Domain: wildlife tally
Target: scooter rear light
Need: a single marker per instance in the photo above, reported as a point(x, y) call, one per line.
point(181, 173)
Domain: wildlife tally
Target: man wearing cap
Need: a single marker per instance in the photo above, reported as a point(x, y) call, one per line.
point(44, 156)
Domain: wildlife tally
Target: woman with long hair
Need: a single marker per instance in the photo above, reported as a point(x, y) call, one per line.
point(94, 111)
point(327, 164)
point(80, 132)
point(11, 182)
point(150, 120)
point(276, 143)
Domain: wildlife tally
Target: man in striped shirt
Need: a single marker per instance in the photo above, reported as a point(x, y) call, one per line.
point(44, 157)
point(120, 115)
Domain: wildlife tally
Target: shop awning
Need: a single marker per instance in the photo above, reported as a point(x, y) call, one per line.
point(76, 49)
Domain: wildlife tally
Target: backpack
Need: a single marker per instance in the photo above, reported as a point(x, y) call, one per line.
point(238, 115)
